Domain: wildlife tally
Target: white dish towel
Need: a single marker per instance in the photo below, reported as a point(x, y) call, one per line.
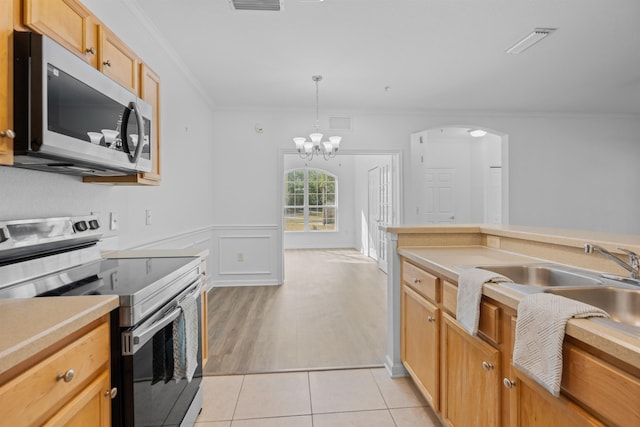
point(185, 340)
point(540, 327)
point(470, 282)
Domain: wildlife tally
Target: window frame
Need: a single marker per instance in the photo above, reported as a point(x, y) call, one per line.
point(306, 207)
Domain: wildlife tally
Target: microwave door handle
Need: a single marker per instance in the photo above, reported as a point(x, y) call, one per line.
point(133, 158)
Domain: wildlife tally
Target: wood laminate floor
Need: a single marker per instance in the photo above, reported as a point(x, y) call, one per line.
point(329, 313)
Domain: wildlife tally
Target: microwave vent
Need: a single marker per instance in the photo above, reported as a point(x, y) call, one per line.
point(272, 5)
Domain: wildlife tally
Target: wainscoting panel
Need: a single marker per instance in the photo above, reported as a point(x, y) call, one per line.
point(239, 255)
point(247, 256)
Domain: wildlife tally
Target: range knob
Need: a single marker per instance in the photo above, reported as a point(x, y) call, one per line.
point(94, 224)
point(3, 236)
point(80, 226)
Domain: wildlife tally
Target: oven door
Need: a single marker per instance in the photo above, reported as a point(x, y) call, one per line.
point(150, 397)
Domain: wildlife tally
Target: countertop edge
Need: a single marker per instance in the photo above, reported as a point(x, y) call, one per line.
point(27, 347)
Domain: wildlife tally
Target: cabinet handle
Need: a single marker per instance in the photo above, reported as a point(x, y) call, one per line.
point(111, 393)
point(508, 383)
point(67, 376)
point(487, 366)
point(7, 134)
point(416, 281)
point(90, 50)
point(107, 63)
point(431, 319)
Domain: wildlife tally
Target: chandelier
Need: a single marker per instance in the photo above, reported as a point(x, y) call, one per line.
point(316, 146)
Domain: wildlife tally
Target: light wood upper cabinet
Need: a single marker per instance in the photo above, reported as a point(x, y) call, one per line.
point(420, 325)
point(470, 378)
point(6, 82)
point(150, 92)
point(117, 60)
point(66, 21)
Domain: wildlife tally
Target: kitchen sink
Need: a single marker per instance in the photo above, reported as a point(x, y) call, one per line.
point(543, 276)
point(622, 304)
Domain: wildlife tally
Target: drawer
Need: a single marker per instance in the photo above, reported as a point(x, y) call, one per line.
point(424, 283)
point(607, 391)
point(488, 325)
point(37, 392)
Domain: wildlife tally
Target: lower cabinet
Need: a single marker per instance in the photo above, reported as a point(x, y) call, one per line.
point(533, 406)
point(91, 407)
point(470, 378)
point(69, 386)
point(420, 326)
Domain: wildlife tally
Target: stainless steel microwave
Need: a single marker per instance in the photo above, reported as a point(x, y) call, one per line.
point(70, 118)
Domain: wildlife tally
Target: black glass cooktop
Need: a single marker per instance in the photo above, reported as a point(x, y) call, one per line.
point(126, 277)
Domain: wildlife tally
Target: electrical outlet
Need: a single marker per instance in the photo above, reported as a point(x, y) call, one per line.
point(240, 257)
point(148, 216)
point(113, 221)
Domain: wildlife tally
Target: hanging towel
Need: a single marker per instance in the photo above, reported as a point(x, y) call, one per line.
point(470, 282)
point(163, 355)
point(540, 332)
point(185, 340)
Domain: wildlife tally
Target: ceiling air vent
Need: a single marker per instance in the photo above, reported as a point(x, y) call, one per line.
point(274, 5)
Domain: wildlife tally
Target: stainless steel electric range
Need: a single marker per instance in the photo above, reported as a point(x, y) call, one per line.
point(60, 257)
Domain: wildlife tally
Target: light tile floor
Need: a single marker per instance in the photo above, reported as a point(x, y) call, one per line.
point(338, 398)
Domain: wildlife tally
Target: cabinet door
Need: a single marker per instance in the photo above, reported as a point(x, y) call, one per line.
point(66, 21)
point(533, 406)
point(91, 407)
point(6, 89)
point(150, 92)
point(470, 378)
point(116, 60)
point(419, 343)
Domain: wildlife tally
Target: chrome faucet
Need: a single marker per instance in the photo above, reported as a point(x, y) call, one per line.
point(633, 267)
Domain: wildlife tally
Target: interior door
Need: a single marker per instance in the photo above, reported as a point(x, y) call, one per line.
point(385, 212)
point(439, 197)
point(373, 213)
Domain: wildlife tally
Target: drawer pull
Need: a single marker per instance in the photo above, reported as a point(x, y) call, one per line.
point(508, 383)
point(487, 366)
point(416, 281)
point(111, 393)
point(67, 376)
point(431, 319)
point(90, 50)
point(7, 134)
point(107, 63)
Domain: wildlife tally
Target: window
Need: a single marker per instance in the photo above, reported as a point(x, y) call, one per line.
point(310, 200)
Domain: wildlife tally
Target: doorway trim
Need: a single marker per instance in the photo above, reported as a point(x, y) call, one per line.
point(397, 163)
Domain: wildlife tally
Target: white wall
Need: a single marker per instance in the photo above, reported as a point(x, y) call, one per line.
point(182, 202)
point(576, 172)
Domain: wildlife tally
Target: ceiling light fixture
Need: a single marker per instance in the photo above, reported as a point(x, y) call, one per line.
point(477, 133)
point(530, 39)
point(309, 149)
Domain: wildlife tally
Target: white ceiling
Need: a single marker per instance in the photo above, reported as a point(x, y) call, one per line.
point(433, 55)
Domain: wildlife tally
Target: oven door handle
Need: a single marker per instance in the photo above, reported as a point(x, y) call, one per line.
point(134, 339)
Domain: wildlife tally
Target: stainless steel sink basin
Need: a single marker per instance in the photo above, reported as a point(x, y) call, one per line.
point(623, 305)
point(544, 276)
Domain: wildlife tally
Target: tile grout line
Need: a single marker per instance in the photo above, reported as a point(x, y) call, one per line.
point(375, 381)
point(235, 407)
point(310, 399)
